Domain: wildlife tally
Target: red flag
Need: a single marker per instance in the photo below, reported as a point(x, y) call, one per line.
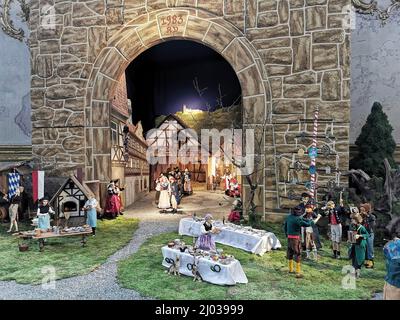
point(38, 184)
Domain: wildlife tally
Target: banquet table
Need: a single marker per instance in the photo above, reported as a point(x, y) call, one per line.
point(245, 238)
point(210, 271)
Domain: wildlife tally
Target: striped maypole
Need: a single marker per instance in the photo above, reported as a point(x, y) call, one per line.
point(313, 179)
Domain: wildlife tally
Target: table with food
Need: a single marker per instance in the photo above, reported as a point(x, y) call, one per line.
point(237, 236)
point(213, 267)
point(54, 232)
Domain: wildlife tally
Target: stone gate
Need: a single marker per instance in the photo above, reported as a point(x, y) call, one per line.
point(290, 56)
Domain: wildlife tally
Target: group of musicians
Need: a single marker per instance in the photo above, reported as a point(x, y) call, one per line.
point(302, 232)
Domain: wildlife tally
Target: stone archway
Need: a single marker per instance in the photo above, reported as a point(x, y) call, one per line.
point(149, 30)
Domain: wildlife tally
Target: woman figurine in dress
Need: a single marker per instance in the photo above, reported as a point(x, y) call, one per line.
point(187, 186)
point(205, 241)
point(91, 213)
point(112, 201)
point(43, 214)
point(164, 202)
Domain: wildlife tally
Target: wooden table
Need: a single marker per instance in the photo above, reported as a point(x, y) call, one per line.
point(49, 235)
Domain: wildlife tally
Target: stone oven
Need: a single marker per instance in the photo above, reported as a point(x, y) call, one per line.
point(70, 198)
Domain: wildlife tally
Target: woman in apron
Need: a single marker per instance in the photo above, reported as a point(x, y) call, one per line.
point(43, 214)
point(164, 202)
point(91, 213)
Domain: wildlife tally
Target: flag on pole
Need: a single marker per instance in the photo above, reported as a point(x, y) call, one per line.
point(37, 185)
point(13, 183)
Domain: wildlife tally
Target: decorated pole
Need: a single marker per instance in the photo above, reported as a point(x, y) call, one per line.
point(313, 152)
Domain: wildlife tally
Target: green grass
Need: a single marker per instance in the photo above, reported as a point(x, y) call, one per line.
point(267, 275)
point(65, 254)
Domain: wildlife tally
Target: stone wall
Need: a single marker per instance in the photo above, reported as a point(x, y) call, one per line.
point(290, 57)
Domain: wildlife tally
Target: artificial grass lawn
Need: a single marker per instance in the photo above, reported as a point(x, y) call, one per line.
point(267, 275)
point(65, 254)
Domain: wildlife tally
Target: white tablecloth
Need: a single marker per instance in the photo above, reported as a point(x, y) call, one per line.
point(238, 238)
point(230, 274)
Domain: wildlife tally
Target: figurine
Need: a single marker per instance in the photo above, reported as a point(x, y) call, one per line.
point(335, 223)
point(195, 272)
point(174, 267)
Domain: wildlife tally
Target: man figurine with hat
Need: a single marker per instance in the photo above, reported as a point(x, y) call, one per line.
point(292, 228)
point(335, 222)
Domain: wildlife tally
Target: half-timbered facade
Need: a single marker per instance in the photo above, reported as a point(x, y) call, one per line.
point(128, 148)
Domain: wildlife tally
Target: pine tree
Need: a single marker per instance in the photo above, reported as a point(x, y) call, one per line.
point(375, 143)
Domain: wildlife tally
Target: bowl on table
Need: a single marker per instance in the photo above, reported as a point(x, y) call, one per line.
point(171, 244)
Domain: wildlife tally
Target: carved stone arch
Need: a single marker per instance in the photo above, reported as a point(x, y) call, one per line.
point(149, 30)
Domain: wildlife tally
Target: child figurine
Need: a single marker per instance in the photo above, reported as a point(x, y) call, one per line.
point(292, 229)
point(309, 233)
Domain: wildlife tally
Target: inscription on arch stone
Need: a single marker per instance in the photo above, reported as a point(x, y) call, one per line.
point(172, 23)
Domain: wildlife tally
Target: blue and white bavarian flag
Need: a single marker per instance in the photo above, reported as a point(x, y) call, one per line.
point(13, 183)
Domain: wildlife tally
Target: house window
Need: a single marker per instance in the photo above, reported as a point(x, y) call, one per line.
point(114, 133)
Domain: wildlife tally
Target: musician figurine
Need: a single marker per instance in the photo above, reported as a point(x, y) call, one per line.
point(335, 222)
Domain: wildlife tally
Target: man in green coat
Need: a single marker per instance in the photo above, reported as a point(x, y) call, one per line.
point(358, 249)
point(292, 228)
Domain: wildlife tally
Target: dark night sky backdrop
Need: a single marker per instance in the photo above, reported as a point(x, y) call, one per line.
point(160, 80)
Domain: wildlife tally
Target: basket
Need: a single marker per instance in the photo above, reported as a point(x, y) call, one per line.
point(23, 247)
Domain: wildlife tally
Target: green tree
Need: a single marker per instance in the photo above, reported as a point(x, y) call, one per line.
point(375, 143)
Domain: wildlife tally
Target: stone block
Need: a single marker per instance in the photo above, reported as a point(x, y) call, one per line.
point(283, 106)
point(307, 77)
point(328, 36)
point(238, 55)
point(331, 85)
point(302, 91)
point(59, 92)
point(315, 18)
point(325, 56)
point(296, 22)
point(301, 53)
point(267, 5)
point(72, 35)
point(277, 56)
point(254, 110)
point(283, 11)
point(254, 85)
point(267, 19)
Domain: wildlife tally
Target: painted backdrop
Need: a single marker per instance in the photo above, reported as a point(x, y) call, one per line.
point(375, 71)
point(15, 106)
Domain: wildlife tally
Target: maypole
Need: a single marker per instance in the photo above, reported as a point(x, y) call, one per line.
point(313, 152)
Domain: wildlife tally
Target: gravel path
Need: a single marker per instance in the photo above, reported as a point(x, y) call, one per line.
point(99, 284)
